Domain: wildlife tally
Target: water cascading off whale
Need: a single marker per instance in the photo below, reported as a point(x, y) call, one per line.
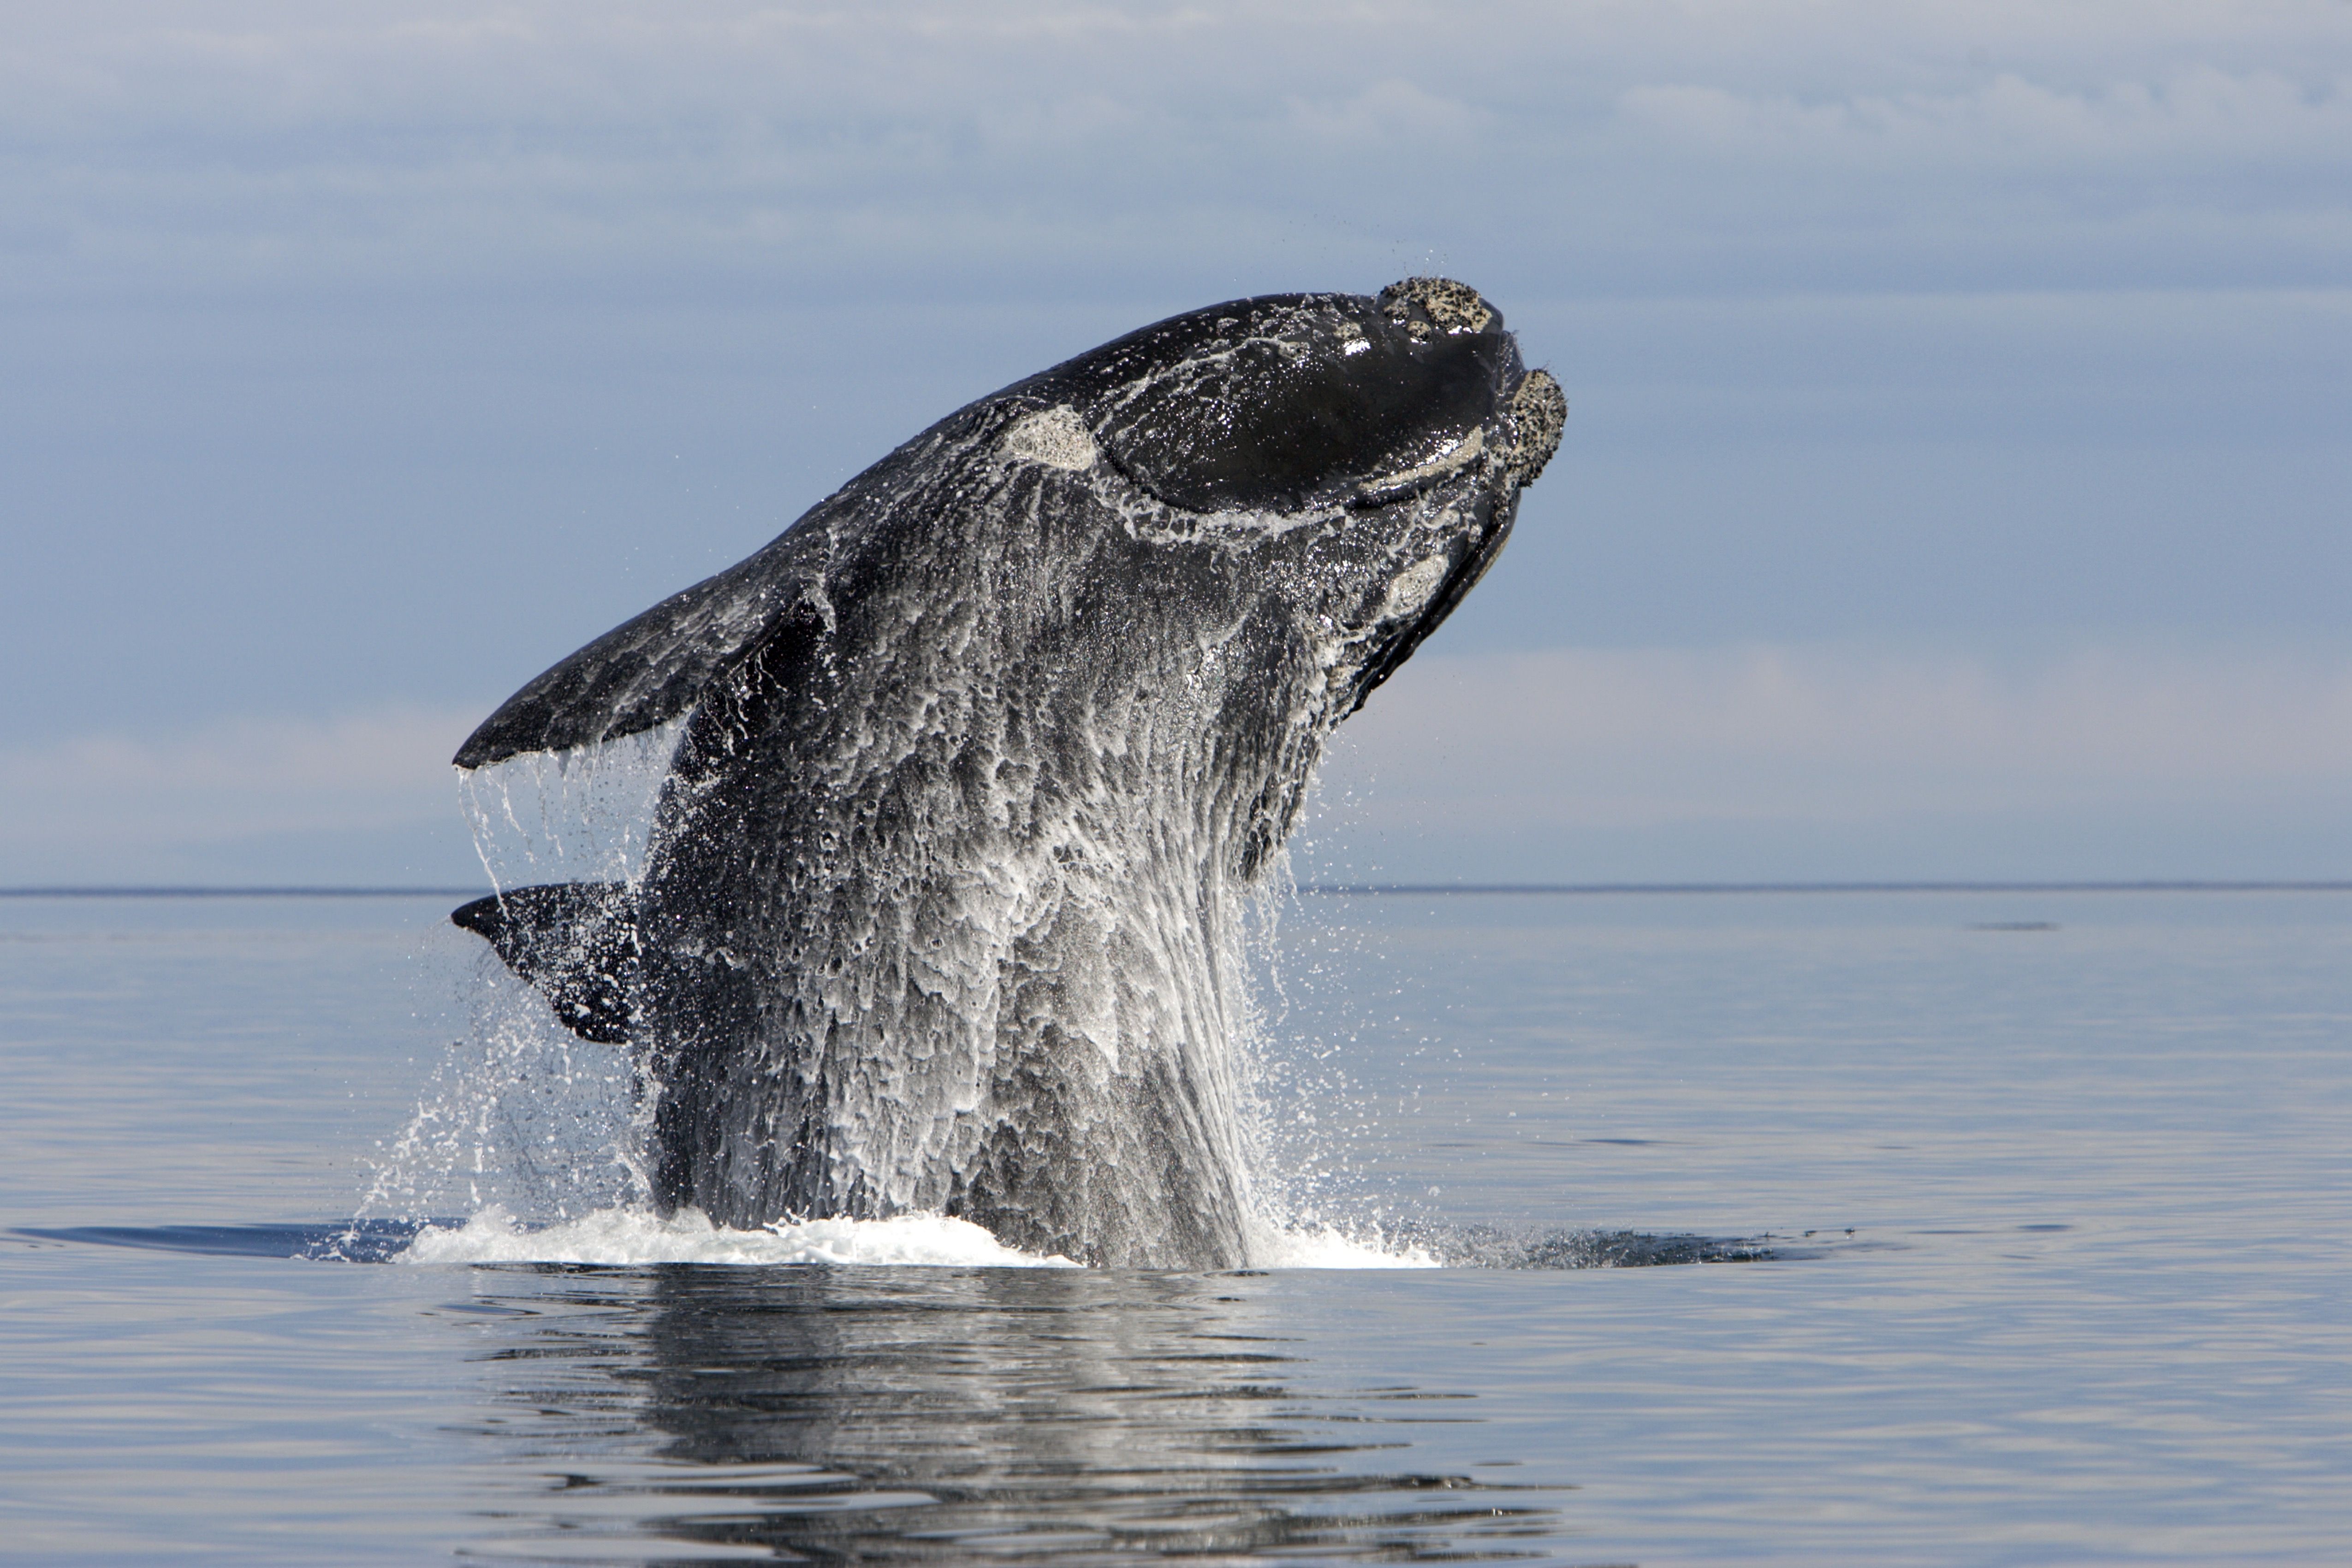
point(980, 758)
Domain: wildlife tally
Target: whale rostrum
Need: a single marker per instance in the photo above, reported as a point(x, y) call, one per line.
point(981, 760)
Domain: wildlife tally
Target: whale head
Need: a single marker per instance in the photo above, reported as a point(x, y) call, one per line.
point(1320, 478)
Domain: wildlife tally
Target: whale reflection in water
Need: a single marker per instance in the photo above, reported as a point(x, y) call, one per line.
point(942, 1415)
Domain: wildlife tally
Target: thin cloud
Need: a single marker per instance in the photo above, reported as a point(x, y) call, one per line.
point(266, 141)
point(1575, 738)
point(1523, 747)
point(2012, 123)
point(230, 779)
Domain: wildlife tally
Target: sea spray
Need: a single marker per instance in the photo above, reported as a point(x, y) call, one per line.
point(533, 1144)
point(582, 815)
point(520, 1115)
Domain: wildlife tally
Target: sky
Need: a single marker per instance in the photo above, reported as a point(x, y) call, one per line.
point(1954, 483)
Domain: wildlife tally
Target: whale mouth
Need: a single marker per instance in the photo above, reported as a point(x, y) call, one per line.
point(1393, 646)
point(1535, 415)
point(1406, 483)
point(1533, 412)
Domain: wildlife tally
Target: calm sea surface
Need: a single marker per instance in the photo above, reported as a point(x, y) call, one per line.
point(2054, 1191)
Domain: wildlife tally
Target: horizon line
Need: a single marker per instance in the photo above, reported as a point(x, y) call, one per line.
point(1329, 890)
point(2154, 885)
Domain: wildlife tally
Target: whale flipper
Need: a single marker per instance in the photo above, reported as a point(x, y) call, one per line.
point(645, 671)
point(576, 942)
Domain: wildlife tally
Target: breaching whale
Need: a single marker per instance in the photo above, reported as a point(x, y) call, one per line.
point(980, 757)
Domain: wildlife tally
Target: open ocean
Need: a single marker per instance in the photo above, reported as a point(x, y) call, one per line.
point(1979, 1228)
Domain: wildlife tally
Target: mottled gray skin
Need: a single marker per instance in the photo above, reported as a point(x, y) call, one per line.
point(939, 909)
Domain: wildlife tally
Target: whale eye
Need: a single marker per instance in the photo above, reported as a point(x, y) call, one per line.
point(1282, 407)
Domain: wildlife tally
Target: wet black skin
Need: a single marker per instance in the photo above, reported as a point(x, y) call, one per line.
point(980, 750)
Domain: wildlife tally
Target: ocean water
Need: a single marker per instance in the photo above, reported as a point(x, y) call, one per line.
point(2029, 1222)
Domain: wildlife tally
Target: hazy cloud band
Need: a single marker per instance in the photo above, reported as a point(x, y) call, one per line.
point(1517, 749)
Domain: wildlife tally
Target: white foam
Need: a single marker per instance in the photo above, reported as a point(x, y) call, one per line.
point(633, 1236)
point(627, 1236)
point(1325, 1248)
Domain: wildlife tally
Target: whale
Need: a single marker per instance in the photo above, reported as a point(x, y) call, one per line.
point(979, 766)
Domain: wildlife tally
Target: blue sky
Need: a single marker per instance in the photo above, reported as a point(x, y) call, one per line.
point(1954, 483)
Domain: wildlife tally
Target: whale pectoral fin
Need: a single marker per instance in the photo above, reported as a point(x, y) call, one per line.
point(575, 943)
point(645, 671)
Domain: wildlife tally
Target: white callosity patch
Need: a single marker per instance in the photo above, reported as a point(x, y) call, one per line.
point(1539, 415)
point(1440, 303)
point(1055, 437)
point(1413, 588)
